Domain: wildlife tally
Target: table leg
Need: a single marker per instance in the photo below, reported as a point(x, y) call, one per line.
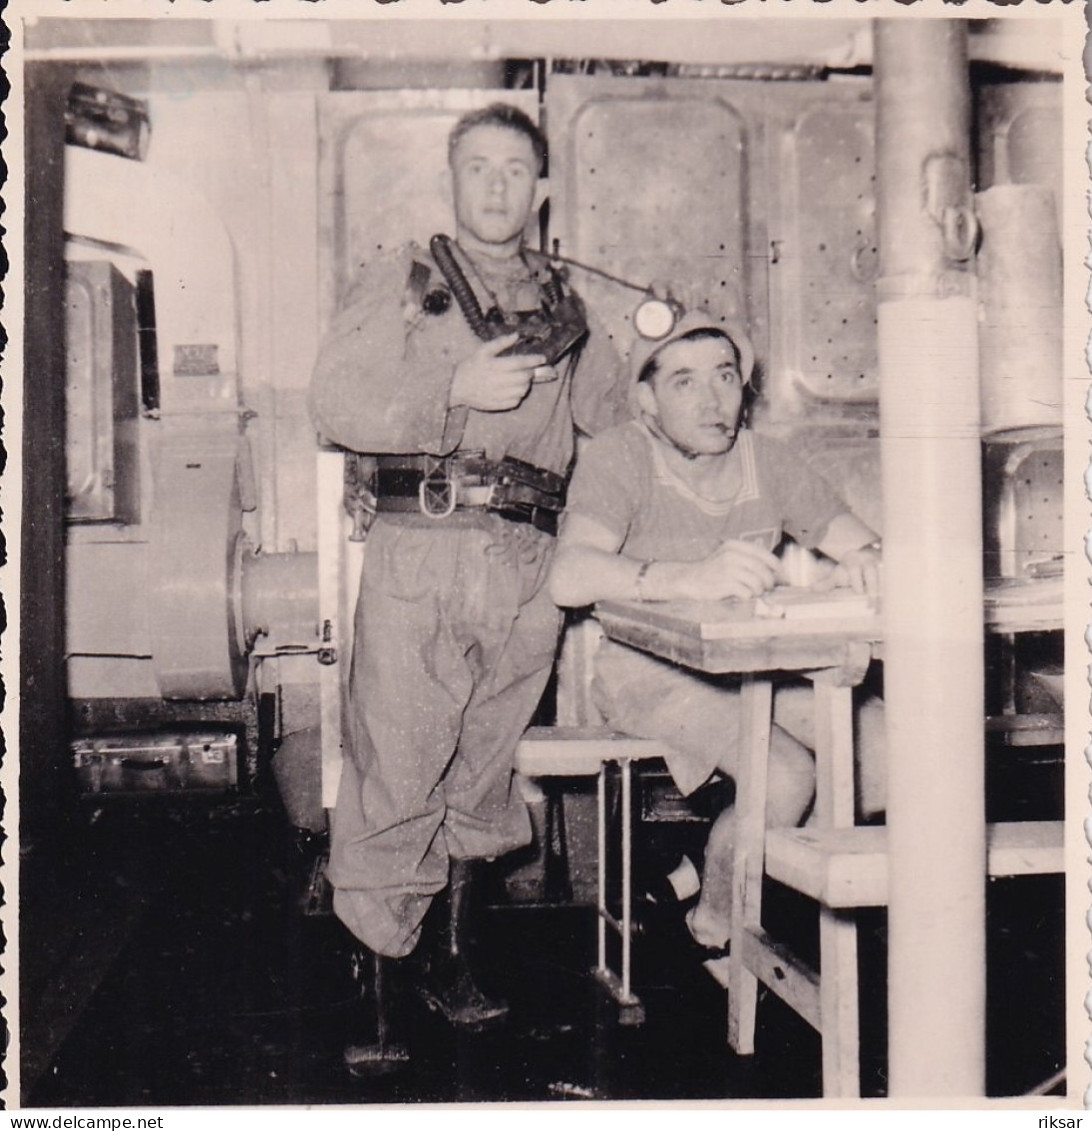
point(838, 1003)
point(834, 808)
point(756, 700)
point(834, 795)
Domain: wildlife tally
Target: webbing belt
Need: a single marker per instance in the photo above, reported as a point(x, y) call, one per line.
point(439, 486)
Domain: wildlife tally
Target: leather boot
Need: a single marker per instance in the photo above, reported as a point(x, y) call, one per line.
point(378, 979)
point(449, 985)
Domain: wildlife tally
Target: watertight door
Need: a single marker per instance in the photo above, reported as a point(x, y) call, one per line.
point(753, 198)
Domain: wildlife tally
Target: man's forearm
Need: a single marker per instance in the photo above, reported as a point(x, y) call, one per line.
point(846, 533)
point(583, 575)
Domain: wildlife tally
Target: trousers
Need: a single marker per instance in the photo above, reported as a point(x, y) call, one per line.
point(455, 638)
point(697, 717)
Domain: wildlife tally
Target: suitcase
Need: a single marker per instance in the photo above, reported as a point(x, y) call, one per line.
point(157, 763)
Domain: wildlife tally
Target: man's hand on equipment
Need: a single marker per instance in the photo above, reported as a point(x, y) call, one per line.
point(490, 383)
point(736, 569)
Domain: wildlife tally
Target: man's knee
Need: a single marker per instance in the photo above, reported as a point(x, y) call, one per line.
point(791, 779)
point(872, 758)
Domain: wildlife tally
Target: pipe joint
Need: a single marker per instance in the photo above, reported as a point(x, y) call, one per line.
point(937, 284)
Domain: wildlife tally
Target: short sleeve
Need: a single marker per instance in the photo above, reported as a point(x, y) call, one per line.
point(606, 483)
point(807, 501)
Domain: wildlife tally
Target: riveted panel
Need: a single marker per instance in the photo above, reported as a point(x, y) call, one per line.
point(754, 197)
point(1039, 487)
point(831, 259)
point(652, 180)
point(658, 195)
point(1023, 475)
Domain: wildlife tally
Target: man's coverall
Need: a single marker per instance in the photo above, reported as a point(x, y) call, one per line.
point(455, 633)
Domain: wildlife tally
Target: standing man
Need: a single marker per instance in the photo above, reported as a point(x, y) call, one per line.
point(472, 437)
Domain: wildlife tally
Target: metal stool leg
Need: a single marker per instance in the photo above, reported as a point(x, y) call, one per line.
point(630, 1009)
point(627, 878)
point(601, 879)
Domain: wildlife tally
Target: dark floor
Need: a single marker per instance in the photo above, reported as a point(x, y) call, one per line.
point(166, 960)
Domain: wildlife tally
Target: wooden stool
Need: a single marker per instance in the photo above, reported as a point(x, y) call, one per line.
point(583, 752)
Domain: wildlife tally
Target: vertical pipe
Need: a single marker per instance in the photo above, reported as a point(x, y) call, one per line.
point(932, 561)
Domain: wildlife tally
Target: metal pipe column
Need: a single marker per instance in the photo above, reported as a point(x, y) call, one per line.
point(934, 670)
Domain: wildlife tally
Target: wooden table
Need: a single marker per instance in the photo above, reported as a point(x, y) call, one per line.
point(719, 637)
point(832, 640)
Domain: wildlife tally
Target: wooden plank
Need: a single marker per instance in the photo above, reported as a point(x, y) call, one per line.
point(778, 968)
point(739, 620)
point(725, 636)
point(836, 867)
point(1025, 605)
point(844, 868)
point(670, 641)
point(754, 653)
point(578, 751)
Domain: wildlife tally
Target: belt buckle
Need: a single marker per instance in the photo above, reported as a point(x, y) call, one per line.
point(436, 493)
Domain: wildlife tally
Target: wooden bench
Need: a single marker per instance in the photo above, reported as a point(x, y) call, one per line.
point(840, 865)
point(847, 868)
point(586, 752)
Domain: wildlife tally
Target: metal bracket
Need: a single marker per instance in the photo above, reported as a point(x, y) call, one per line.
point(327, 654)
point(947, 200)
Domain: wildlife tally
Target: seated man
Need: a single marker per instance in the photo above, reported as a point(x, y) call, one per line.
point(686, 503)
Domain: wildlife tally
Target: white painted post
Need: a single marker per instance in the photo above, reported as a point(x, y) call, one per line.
point(933, 626)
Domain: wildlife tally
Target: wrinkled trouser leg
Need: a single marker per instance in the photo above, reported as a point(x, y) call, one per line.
point(479, 789)
point(453, 648)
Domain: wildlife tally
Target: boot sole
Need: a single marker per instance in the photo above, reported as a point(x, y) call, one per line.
point(375, 1060)
point(472, 1024)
